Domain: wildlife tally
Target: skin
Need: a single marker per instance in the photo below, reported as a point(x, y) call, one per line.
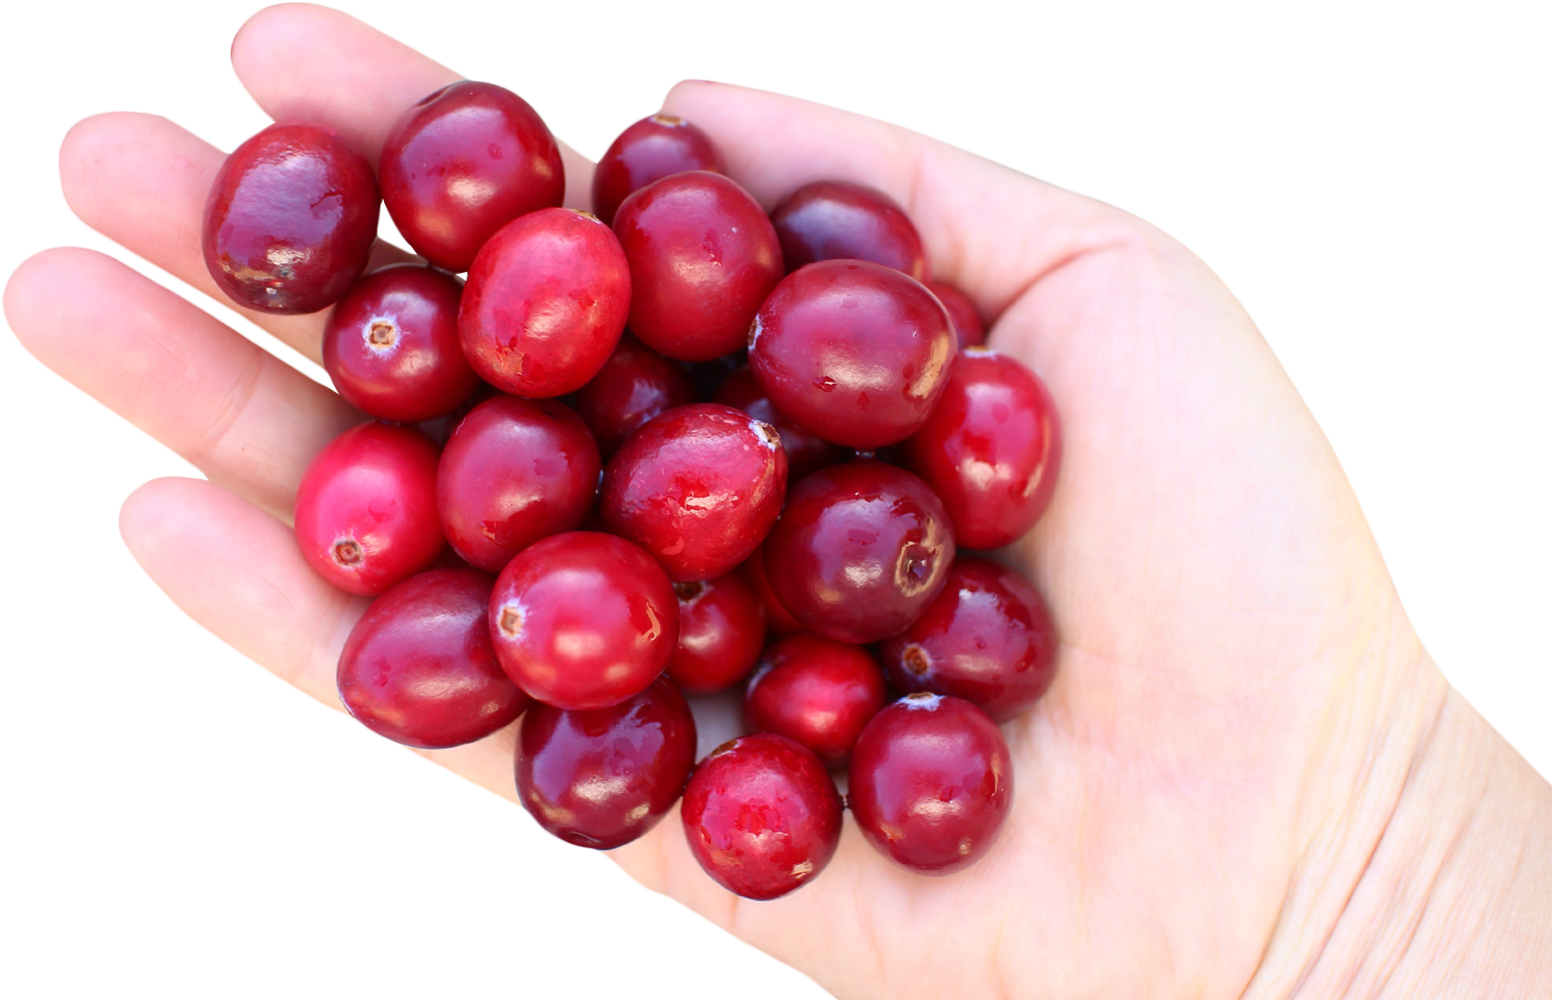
point(1249, 778)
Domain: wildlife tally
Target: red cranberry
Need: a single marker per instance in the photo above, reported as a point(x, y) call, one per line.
point(366, 508)
point(419, 669)
point(545, 304)
point(391, 345)
point(583, 620)
point(514, 471)
point(805, 452)
point(987, 639)
point(721, 632)
point(462, 163)
point(860, 551)
point(991, 449)
point(604, 777)
point(698, 487)
point(648, 151)
point(778, 620)
point(931, 781)
point(762, 816)
point(816, 691)
point(857, 353)
point(703, 256)
point(633, 386)
point(968, 325)
point(831, 220)
point(290, 220)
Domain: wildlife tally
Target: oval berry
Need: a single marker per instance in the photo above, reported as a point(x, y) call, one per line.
point(648, 151)
point(805, 452)
point(968, 325)
point(721, 633)
point(817, 691)
point(831, 220)
point(633, 386)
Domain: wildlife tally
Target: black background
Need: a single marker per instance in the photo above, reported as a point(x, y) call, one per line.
point(1355, 204)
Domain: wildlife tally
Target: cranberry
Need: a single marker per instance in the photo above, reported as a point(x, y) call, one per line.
point(290, 220)
point(991, 449)
point(366, 508)
point(860, 551)
point(987, 639)
point(968, 325)
point(633, 386)
point(805, 452)
point(648, 151)
point(703, 256)
point(857, 353)
point(698, 487)
point(830, 220)
point(583, 620)
point(817, 691)
point(721, 632)
point(462, 163)
point(602, 778)
point(778, 620)
point(762, 816)
point(513, 472)
point(931, 781)
point(545, 304)
point(419, 669)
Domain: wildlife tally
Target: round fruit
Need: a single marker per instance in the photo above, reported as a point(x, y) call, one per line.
point(968, 325)
point(805, 452)
point(817, 691)
point(648, 151)
point(633, 386)
point(721, 633)
point(832, 220)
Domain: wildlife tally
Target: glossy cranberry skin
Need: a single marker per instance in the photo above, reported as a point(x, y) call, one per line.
point(991, 450)
point(805, 452)
point(583, 620)
point(817, 691)
point(860, 551)
point(366, 508)
point(703, 256)
point(856, 353)
point(832, 220)
point(419, 669)
point(721, 633)
point(648, 151)
point(463, 162)
point(633, 386)
point(604, 777)
point(290, 220)
point(514, 471)
point(762, 816)
point(698, 487)
point(931, 782)
point(778, 620)
point(968, 324)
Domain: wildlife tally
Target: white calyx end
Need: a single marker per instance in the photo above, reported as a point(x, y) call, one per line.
point(922, 700)
point(381, 334)
point(754, 331)
point(767, 433)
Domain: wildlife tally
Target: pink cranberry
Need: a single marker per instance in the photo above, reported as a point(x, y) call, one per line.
point(698, 487)
point(831, 220)
point(366, 508)
point(968, 324)
point(991, 449)
point(419, 669)
point(462, 163)
point(931, 782)
point(290, 220)
point(857, 353)
point(648, 151)
point(988, 639)
point(721, 632)
point(762, 816)
point(633, 386)
point(703, 256)
point(602, 778)
point(513, 472)
point(860, 551)
point(778, 620)
point(805, 452)
point(817, 691)
point(583, 620)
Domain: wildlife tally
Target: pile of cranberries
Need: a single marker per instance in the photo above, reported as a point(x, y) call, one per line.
point(670, 447)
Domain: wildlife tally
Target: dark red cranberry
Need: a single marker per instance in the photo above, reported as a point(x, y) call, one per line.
point(860, 551)
point(462, 163)
point(703, 256)
point(366, 508)
point(514, 471)
point(832, 220)
point(698, 487)
point(762, 816)
point(419, 669)
point(583, 620)
point(931, 782)
point(991, 450)
point(602, 778)
point(648, 151)
point(968, 324)
point(805, 452)
point(778, 620)
point(633, 386)
point(721, 632)
point(988, 639)
point(290, 220)
point(817, 691)
point(857, 353)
